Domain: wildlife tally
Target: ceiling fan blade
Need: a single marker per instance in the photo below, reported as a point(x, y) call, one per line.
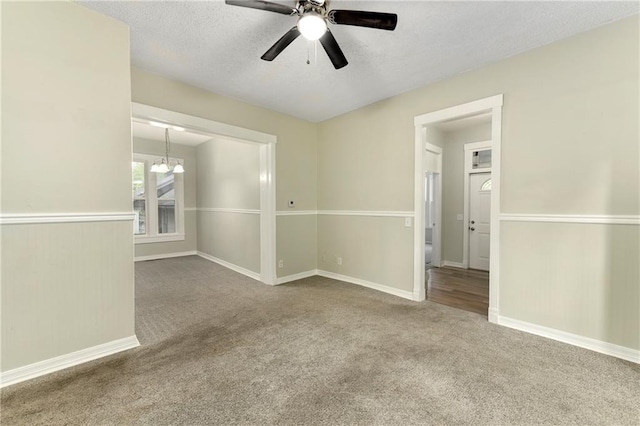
point(281, 44)
point(263, 5)
point(360, 18)
point(330, 45)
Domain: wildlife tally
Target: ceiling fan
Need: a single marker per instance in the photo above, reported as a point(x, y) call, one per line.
point(312, 24)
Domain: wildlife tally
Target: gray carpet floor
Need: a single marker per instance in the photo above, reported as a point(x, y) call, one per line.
point(220, 348)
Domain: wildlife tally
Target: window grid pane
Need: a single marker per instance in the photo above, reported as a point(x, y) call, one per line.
point(166, 216)
point(165, 191)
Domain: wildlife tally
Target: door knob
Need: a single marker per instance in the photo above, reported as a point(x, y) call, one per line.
point(471, 228)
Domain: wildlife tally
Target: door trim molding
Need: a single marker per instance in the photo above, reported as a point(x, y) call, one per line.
point(492, 105)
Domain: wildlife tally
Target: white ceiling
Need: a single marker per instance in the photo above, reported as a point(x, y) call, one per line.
point(154, 133)
point(217, 47)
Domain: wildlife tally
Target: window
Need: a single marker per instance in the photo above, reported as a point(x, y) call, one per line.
point(486, 186)
point(165, 183)
point(481, 159)
point(158, 202)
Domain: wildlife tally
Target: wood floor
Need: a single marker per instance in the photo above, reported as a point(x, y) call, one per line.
point(465, 289)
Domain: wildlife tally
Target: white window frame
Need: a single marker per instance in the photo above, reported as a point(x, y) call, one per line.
point(150, 182)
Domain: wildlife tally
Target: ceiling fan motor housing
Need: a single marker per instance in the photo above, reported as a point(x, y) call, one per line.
point(306, 6)
point(316, 2)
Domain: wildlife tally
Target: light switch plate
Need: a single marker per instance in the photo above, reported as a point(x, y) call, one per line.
point(407, 222)
point(460, 217)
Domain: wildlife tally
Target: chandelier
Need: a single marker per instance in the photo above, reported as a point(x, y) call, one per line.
point(163, 165)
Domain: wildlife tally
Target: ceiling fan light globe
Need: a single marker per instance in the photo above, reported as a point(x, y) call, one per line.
point(312, 26)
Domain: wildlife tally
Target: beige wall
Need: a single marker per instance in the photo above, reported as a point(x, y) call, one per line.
point(297, 244)
point(371, 248)
point(228, 175)
point(63, 292)
point(570, 146)
point(580, 278)
point(453, 187)
point(296, 168)
point(188, 154)
point(229, 179)
point(65, 109)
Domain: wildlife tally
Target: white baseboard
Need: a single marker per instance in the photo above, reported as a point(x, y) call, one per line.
point(606, 348)
point(238, 269)
point(452, 264)
point(493, 316)
point(47, 366)
point(165, 256)
point(295, 277)
point(375, 286)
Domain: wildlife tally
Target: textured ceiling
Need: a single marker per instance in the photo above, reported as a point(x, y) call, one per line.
point(217, 47)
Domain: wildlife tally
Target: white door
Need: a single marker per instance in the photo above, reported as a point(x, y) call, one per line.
point(479, 220)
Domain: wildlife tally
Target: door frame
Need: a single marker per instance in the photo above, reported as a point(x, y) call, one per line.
point(468, 171)
point(267, 146)
point(491, 105)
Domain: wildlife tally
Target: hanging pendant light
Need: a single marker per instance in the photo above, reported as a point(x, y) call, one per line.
point(164, 165)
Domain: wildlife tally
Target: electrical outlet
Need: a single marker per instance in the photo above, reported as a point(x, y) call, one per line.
point(323, 259)
point(291, 204)
point(280, 263)
point(338, 260)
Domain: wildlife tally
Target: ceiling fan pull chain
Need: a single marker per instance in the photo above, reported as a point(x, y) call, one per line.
point(308, 48)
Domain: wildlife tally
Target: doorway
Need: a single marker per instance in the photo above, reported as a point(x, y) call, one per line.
point(266, 153)
point(493, 108)
point(479, 228)
point(430, 220)
point(460, 279)
point(432, 205)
